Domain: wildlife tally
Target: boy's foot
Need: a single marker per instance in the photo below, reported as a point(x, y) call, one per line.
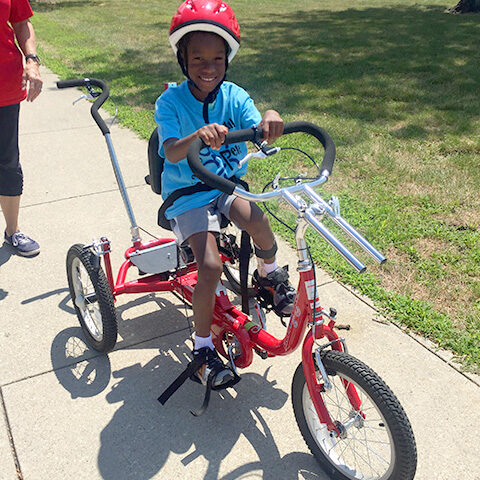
point(212, 366)
point(281, 290)
point(23, 244)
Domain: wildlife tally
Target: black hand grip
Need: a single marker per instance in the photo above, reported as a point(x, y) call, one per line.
point(227, 186)
point(80, 82)
point(84, 82)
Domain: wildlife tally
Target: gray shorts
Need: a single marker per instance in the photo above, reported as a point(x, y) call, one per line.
point(202, 219)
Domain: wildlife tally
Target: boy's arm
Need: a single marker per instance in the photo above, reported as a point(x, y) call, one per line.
point(213, 135)
point(272, 126)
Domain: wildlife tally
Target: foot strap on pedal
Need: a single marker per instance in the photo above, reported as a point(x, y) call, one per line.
point(189, 372)
point(192, 367)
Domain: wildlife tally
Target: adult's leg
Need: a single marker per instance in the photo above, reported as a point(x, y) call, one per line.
point(11, 177)
point(10, 208)
point(204, 247)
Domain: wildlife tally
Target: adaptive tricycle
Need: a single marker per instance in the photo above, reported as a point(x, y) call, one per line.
point(350, 419)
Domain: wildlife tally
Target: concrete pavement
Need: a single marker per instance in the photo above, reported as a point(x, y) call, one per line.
point(68, 412)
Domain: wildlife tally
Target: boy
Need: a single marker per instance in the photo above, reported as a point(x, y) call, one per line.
point(205, 36)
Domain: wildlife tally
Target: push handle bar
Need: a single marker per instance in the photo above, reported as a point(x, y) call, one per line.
point(99, 101)
point(87, 82)
point(254, 135)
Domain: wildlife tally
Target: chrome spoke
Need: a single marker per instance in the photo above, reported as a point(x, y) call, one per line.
point(84, 293)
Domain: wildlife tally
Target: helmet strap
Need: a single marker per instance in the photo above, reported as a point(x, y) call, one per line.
point(210, 99)
point(213, 94)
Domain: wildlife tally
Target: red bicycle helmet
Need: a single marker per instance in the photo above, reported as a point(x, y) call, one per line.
point(212, 16)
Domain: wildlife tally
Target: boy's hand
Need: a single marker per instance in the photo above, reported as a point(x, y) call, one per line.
point(272, 125)
point(213, 135)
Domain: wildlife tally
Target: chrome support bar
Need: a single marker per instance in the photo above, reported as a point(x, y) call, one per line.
point(121, 185)
point(310, 216)
point(302, 251)
point(304, 262)
point(326, 381)
point(345, 226)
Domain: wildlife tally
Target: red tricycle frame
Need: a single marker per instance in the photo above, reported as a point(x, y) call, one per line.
point(229, 321)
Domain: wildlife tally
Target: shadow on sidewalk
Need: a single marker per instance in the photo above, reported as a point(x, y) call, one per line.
point(5, 254)
point(142, 434)
point(80, 370)
point(85, 372)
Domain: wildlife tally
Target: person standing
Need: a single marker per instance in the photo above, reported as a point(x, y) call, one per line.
point(17, 83)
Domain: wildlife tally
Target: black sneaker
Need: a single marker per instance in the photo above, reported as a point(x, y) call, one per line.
point(281, 291)
point(212, 366)
point(23, 244)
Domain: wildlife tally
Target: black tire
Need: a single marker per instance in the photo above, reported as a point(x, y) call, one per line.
point(92, 299)
point(229, 240)
point(351, 457)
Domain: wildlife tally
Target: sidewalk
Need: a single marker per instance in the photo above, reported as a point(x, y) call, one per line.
point(69, 413)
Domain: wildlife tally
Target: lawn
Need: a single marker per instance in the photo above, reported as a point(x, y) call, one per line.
point(396, 86)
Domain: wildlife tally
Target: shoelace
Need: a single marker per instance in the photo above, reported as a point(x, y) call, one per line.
point(19, 237)
point(214, 364)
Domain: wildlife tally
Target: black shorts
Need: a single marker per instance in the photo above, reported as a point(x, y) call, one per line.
point(11, 176)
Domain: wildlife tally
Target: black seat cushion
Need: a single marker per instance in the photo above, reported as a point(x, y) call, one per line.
point(155, 164)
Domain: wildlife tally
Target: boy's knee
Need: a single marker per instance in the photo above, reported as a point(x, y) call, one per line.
point(261, 227)
point(210, 271)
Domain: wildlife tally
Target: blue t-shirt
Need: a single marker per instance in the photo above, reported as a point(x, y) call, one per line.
point(178, 114)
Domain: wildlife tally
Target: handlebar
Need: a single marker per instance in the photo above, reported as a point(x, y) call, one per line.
point(308, 213)
point(87, 82)
point(254, 135)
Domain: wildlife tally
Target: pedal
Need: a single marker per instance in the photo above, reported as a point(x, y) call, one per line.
point(264, 297)
point(265, 300)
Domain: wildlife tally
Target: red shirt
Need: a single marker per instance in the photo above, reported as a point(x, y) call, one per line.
point(11, 58)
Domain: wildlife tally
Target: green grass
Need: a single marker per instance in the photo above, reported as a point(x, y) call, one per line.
point(394, 83)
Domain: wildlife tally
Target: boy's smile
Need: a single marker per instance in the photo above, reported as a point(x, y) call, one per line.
point(206, 62)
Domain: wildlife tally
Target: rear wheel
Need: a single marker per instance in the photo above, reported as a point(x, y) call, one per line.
point(375, 441)
point(92, 299)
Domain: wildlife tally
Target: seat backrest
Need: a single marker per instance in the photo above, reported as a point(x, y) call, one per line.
point(155, 163)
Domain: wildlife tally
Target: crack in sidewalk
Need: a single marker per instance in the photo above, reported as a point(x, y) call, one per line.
point(10, 436)
point(73, 363)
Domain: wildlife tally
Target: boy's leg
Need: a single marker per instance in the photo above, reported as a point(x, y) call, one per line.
point(204, 247)
point(251, 218)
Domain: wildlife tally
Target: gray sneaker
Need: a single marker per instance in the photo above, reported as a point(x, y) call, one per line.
point(23, 244)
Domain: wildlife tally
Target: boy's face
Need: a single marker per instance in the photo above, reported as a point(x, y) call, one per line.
point(205, 62)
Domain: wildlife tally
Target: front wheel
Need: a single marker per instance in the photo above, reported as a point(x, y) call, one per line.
point(92, 299)
point(376, 440)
